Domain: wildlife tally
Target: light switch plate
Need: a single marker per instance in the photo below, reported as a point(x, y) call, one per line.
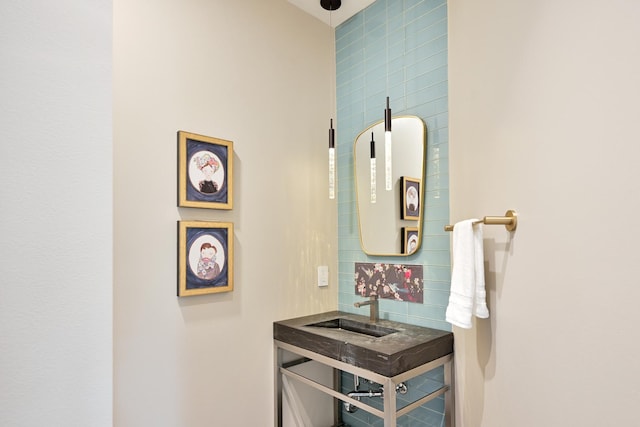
point(323, 275)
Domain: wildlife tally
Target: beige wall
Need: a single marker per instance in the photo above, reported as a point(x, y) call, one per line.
point(544, 111)
point(55, 214)
point(255, 72)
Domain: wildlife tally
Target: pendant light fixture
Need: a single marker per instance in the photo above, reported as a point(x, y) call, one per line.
point(332, 161)
point(372, 169)
point(388, 146)
point(331, 5)
point(388, 158)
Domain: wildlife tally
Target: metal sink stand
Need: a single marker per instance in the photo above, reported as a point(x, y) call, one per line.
point(390, 414)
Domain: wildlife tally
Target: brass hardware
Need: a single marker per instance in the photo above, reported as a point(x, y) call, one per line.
point(509, 220)
point(373, 306)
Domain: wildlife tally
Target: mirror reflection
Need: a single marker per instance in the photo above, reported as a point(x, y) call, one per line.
point(390, 221)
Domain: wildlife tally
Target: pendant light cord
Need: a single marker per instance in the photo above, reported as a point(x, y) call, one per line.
point(332, 70)
point(386, 64)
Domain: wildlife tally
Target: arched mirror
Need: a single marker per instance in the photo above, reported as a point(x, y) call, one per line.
point(390, 221)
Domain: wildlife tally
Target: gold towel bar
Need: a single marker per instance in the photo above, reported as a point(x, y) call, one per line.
point(509, 220)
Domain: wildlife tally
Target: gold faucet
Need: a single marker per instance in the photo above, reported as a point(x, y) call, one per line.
point(373, 303)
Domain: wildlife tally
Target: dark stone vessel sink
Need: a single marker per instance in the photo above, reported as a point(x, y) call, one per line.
point(386, 347)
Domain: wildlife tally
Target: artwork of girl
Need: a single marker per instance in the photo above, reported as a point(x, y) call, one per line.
point(206, 175)
point(412, 199)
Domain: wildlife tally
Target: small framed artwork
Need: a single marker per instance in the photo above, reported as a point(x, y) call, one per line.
point(410, 198)
point(409, 240)
point(205, 171)
point(205, 257)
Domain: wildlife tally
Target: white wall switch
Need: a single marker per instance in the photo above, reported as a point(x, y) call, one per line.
point(323, 275)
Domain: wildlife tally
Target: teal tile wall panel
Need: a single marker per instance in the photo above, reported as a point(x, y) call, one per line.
point(396, 48)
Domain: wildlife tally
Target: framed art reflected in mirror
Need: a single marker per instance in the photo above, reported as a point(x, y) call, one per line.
point(410, 198)
point(409, 240)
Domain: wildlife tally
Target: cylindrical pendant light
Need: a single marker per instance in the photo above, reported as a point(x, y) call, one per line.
point(373, 169)
point(388, 149)
point(332, 161)
point(331, 5)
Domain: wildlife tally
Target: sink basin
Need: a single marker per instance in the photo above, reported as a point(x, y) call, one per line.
point(385, 347)
point(369, 329)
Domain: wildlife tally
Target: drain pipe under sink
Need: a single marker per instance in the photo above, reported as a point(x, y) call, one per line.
point(357, 393)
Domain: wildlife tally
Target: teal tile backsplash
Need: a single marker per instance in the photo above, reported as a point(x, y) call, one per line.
point(396, 48)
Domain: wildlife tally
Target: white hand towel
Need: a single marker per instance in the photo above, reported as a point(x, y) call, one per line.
point(480, 296)
point(468, 295)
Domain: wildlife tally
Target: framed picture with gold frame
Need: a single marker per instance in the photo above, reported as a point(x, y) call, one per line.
point(205, 257)
point(205, 171)
point(410, 191)
point(409, 240)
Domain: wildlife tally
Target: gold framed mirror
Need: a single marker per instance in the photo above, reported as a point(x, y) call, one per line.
point(388, 219)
